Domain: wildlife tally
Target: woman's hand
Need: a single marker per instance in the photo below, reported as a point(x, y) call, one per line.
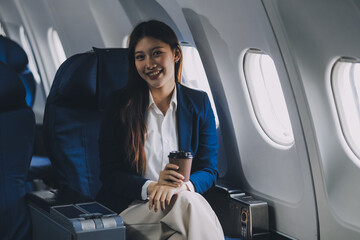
point(161, 195)
point(170, 177)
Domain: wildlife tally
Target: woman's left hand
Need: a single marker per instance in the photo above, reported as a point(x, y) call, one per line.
point(170, 177)
point(161, 196)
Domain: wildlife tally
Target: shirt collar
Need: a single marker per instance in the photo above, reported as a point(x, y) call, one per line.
point(173, 101)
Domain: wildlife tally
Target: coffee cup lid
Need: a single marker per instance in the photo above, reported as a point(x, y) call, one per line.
point(180, 154)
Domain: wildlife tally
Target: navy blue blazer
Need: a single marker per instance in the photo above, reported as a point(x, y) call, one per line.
point(196, 131)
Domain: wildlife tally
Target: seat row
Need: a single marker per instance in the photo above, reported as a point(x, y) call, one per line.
point(72, 118)
point(71, 127)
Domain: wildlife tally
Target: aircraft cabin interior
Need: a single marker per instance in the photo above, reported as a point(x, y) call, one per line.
point(283, 80)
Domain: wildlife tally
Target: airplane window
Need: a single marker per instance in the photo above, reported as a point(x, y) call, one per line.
point(125, 41)
point(346, 89)
point(56, 48)
point(2, 30)
point(194, 75)
point(267, 97)
point(26, 45)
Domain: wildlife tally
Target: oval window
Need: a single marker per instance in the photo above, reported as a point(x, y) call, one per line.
point(27, 48)
point(56, 48)
point(2, 30)
point(345, 79)
point(267, 97)
point(194, 75)
point(125, 41)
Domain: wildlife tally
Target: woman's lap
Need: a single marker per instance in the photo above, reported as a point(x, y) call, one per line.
point(188, 215)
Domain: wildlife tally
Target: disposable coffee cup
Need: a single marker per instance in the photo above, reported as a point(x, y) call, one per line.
point(184, 160)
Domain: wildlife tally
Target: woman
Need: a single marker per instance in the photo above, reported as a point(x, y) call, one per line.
point(154, 115)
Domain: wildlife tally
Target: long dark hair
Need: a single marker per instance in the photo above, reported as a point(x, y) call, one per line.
point(133, 112)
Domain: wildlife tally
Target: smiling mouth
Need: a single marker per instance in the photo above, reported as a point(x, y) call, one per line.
point(154, 74)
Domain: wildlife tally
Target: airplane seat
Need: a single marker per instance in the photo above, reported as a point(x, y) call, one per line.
point(17, 134)
point(73, 115)
point(14, 55)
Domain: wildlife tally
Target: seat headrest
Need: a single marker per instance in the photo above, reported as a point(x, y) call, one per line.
point(112, 71)
point(12, 91)
point(75, 82)
point(85, 80)
point(12, 54)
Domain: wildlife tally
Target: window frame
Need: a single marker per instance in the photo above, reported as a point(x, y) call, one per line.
point(2, 29)
point(268, 130)
point(202, 84)
point(56, 47)
point(342, 105)
point(25, 42)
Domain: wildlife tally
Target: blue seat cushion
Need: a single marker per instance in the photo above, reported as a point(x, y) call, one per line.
point(73, 114)
point(17, 133)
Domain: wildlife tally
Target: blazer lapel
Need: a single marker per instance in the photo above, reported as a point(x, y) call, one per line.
point(184, 115)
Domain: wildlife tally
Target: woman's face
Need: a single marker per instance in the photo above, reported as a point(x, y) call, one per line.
point(154, 61)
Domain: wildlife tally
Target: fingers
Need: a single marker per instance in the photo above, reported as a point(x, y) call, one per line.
point(162, 201)
point(168, 199)
point(161, 197)
point(156, 201)
point(171, 166)
point(171, 175)
point(154, 198)
point(174, 176)
point(173, 170)
point(151, 199)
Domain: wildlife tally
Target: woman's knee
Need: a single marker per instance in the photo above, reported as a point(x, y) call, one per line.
point(186, 198)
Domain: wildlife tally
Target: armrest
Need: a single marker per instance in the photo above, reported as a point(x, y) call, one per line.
point(228, 188)
point(241, 215)
point(66, 214)
point(46, 199)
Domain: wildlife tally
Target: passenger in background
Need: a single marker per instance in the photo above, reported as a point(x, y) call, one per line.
point(154, 115)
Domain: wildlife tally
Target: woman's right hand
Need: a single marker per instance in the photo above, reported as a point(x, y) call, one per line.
point(161, 195)
point(170, 177)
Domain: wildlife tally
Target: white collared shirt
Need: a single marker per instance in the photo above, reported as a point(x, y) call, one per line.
point(161, 138)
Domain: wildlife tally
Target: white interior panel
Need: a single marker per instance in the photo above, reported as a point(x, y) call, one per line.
point(281, 176)
point(312, 36)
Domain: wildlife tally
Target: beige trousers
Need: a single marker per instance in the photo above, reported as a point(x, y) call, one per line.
point(189, 217)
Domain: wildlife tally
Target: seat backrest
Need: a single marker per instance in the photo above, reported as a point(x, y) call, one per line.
point(73, 114)
point(15, 57)
point(17, 134)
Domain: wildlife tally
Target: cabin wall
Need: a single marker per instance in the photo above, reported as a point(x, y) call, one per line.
point(312, 35)
point(279, 175)
point(311, 185)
